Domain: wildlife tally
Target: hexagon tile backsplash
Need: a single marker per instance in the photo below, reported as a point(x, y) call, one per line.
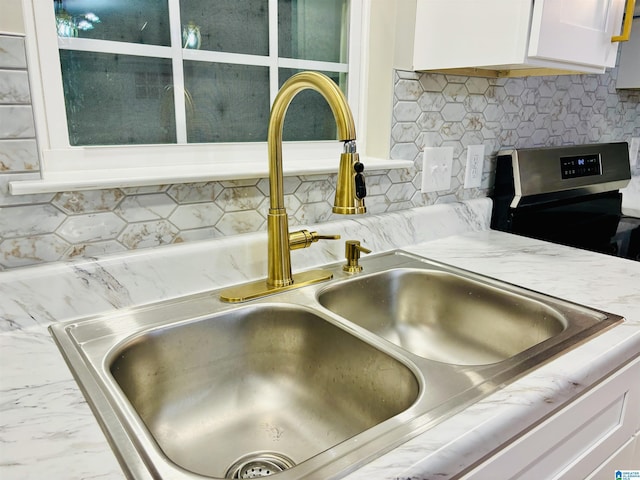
point(429, 110)
point(434, 110)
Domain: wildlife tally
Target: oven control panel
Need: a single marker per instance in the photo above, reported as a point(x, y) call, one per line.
point(580, 166)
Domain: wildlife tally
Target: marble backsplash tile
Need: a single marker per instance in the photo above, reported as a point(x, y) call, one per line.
point(14, 87)
point(12, 52)
point(18, 155)
point(429, 110)
point(16, 121)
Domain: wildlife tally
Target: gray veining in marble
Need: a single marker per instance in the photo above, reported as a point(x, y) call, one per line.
point(18, 155)
point(16, 121)
point(12, 53)
point(14, 87)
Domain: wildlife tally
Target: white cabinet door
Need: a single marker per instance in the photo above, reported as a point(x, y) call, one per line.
point(505, 36)
point(629, 69)
point(574, 442)
point(626, 458)
point(441, 34)
point(576, 31)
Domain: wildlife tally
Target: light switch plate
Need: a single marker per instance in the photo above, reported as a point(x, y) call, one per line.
point(436, 169)
point(475, 162)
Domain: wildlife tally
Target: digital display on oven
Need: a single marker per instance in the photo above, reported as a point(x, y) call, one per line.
point(581, 166)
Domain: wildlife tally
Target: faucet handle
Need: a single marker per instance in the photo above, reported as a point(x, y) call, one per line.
point(352, 253)
point(304, 239)
point(317, 237)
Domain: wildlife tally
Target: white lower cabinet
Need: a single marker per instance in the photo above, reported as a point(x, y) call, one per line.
point(626, 458)
point(589, 438)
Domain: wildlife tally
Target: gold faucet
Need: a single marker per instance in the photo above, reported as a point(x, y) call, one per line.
point(349, 199)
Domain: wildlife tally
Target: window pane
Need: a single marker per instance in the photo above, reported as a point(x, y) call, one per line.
point(228, 103)
point(133, 21)
point(309, 116)
point(313, 29)
point(235, 26)
point(117, 99)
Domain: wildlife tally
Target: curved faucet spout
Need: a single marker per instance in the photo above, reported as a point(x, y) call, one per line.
point(294, 85)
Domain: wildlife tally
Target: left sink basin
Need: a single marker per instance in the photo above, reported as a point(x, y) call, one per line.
point(248, 392)
point(257, 390)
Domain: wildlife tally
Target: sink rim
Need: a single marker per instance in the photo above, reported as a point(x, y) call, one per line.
point(79, 349)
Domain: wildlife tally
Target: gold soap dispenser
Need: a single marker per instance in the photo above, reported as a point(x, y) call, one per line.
point(352, 250)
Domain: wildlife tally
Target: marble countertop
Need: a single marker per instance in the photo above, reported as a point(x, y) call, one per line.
point(48, 431)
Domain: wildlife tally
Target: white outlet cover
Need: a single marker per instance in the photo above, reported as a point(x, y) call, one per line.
point(437, 164)
point(475, 163)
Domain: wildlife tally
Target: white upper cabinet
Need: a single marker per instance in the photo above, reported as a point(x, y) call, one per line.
point(509, 37)
point(576, 31)
point(629, 69)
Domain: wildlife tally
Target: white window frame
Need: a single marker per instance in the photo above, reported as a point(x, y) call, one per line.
point(64, 167)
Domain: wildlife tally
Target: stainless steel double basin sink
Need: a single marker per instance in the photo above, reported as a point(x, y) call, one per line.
point(314, 382)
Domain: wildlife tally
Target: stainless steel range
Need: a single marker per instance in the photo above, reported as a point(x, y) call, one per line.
point(567, 195)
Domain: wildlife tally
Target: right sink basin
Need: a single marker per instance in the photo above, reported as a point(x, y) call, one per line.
point(449, 317)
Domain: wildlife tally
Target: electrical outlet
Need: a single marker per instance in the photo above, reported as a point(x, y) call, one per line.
point(475, 162)
point(436, 169)
point(634, 147)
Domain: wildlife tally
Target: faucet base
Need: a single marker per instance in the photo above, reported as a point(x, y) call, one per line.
point(260, 288)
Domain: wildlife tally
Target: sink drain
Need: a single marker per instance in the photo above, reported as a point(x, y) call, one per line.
point(262, 464)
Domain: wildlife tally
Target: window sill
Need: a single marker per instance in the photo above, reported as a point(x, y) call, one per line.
point(167, 175)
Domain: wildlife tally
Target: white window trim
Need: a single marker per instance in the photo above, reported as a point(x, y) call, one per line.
point(64, 168)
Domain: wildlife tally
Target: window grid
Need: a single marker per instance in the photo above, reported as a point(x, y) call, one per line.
point(179, 55)
point(66, 167)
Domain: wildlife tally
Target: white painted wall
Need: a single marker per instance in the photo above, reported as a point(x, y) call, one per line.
point(11, 18)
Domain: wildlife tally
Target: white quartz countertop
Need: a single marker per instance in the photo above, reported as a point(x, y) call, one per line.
point(48, 431)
